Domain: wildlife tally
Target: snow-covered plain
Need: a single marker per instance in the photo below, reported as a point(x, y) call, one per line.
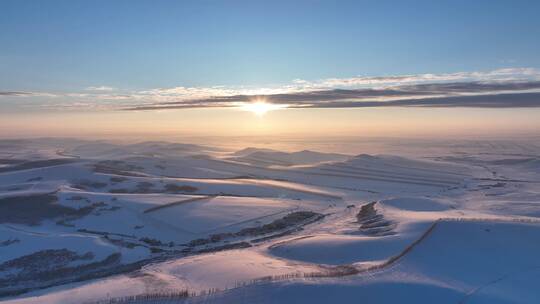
point(87, 221)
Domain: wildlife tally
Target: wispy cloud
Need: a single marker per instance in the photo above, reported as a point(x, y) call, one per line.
point(100, 88)
point(516, 100)
point(512, 87)
point(346, 91)
point(15, 93)
point(478, 94)
point(25, 94)
point(360, 82)
point(508, 74)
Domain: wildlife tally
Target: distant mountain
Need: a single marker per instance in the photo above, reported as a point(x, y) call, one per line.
point(268, 157)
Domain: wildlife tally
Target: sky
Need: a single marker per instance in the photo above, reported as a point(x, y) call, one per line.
point(381, 68)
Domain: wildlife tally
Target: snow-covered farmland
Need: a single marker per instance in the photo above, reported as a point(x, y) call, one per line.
point(84, 221)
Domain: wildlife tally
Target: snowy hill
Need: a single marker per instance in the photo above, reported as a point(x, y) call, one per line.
point(84, 221)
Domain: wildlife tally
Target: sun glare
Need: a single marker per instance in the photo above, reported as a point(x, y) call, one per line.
point(260, 107)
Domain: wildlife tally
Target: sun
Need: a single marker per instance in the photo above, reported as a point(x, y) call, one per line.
point(260, 107)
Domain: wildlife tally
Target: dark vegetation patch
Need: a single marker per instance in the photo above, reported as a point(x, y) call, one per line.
point(490, 186)
point(10, 161)
point(9, 242)
point(156, 250)
point(83, 211)
point(51, 267)
point(366, 211)
point(44, 260)
point(105, 233)
point(173, 188)
point(372, 223)
point(128, 241)
point(89, 185)
point(288, 221)
point(65, 223)
point(37, 164)
point(78, 198)
point(512, 161)
point(141, 187)
point(117, 167)
point(35, 179)
point(160, 297)
point(144, 187)
point(121, 242)
point(111, 208)
point(117, 179)
point(155, 242)
point(238, 245)
point(33, 209)
point(148, 187)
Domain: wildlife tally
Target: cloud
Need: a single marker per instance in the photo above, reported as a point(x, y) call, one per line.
point(299, 86)
point(15, 93)
point(519, 100)
point(445, 94)
point(380, 88)
point(508, 74)
point(100, 88)
point(501, 86)
point(25, 94)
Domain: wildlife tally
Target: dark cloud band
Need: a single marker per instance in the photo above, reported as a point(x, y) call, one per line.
point(15, 93)
point(459, 94)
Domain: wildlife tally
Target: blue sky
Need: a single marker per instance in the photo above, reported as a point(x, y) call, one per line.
point(388, 68)
point(70, 45)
